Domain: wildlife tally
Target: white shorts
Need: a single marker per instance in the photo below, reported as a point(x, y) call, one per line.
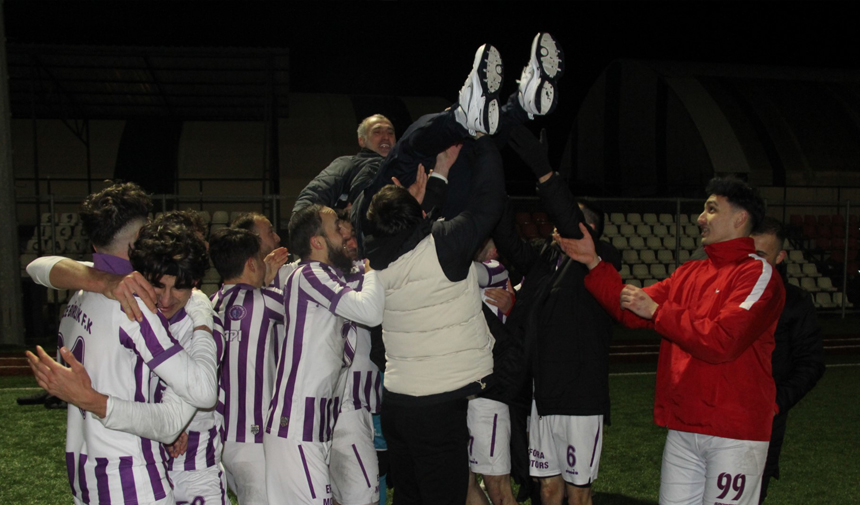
point(199, 487)
point(489, 424)
point(296, 472)
point(245, 469)
point(708, 469)
point(353, 465)
point(569, 446)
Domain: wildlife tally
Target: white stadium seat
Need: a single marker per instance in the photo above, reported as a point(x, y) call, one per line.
point(810, 270)
point(808, 283)
point(823, 300)
point(796, 256)
point(825, 284)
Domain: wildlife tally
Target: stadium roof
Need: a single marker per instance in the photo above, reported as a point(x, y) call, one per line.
point(129, 82)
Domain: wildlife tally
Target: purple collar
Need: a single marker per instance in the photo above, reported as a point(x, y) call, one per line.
point(112, 264)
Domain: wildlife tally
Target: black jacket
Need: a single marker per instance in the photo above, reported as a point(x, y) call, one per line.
point(567, 331)
point(335, 183)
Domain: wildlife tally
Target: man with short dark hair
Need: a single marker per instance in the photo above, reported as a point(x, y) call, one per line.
point(249, 316)
point(321, 313)
point(715, 391)
point(114, 421)
point(798, 358)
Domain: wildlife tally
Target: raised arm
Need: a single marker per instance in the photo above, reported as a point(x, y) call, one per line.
point(329, 290)
point(510, 246)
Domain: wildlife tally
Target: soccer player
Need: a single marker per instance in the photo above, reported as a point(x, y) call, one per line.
point(715, 390)
point(321, 311)
point(249, 314)
point(798, 358)
point(105, 464)
point(270, 244)
point(354, 462)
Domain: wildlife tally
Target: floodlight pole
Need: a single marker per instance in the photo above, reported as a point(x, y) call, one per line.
point(11, 308)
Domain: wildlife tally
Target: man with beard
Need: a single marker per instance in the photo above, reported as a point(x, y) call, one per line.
point(270, 246)
point(321, 313)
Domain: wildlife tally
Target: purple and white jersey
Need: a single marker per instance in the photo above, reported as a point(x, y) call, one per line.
point(204, 439)
point(280, 280)
point(320, 310)
point(250, 319)
point(363, 382)
point(104, 465)
point(492, 274)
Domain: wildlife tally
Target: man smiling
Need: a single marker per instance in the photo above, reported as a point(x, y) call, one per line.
point(717, 318)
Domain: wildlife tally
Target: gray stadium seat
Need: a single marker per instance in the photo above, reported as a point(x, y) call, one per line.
point(660, 230)
point(667, 219)
point(640, 271)
point(619, 243)
point(617, 218)
point(810, 270)
point(654, 243)
point(658, 271)
point(837, 299)
point(625, 271)
point(665, 256)
point(808, 283)
point(634, 218)
point(634, 282)
point(669, 243)
point(822, 300)
point(793, 270)
point(647, 256)
point(688, 243)
point(793, 281)
point(683, 255)
point(220, 217)
point(649, 218)
point(610, 230)
point(636, 243)
point(825, 284)
point(692, 230)
point(685, 220)
point(630, 256)
point(643, 230)
point(649, 282)
point(627, 230)
point(796, 256)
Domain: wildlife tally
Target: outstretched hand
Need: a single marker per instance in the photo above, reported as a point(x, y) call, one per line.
point(72, 384)
point(638, 302)
point(123, 289)
point(581, 250)
point(418, 188)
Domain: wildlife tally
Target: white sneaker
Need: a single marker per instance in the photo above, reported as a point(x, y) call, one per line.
point(478, 106)
point(538, 81)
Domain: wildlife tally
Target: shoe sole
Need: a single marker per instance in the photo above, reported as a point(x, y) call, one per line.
point(550, 55)
point(490, 71)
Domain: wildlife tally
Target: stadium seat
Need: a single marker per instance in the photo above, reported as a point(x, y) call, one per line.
point(825, 284)
point(630, 256)
point(643, 230)
point(649, 282)
point(667, 219)
point(209, 288)
point(665, 257)
point(692, 230)
point(627, 230)
point(220, 217)
point(793, 270)
point(654, 243)
point(625, 271)
point(634, 282)
point(658, 271)
point(822, 300)
point(671, 269)
point(793, 281)
point(634, 218)
point(637, 243)
point(694, 218)
point(669, 243)
point(810, 270)
point(837, 299)
point(236, 213)
point(617, 218)
point(619, 243)
point(660, 230)
point(215, 227)
point(649, 218)
point(684, 220)
point(683, 255)
point(640, 271)
point(796, 256)
point(688, 243)
point(610, 230)
point(808, 283)
point(204, 215)
point(647, 256)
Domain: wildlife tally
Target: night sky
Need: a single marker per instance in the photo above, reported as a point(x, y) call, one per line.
point(426, 48)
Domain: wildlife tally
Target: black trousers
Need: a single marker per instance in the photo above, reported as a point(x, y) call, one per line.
point(428, 452)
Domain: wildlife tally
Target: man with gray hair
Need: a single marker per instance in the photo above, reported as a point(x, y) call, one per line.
point(331, 187)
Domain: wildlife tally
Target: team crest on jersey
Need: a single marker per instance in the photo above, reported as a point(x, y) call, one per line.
point(285, 421)
point(237, 312)
point(255, 428)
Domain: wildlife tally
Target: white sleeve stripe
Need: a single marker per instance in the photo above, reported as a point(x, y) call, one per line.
point(760, 284)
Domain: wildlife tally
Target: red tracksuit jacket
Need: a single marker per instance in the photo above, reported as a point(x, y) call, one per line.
point(717, 318)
